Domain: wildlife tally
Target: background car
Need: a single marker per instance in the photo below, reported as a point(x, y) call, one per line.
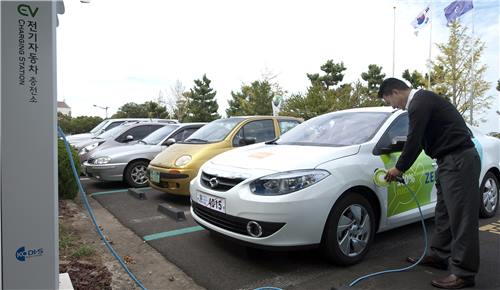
point(129, 163)
point(118, 136)
point(173, 169)
point(315, 186)
point(109, 124)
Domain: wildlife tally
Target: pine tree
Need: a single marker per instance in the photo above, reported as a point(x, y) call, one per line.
point(202, 105)
point(373, 78)
point(235, 105)
point(253, 99)
point(415, 78)
point(333, 74)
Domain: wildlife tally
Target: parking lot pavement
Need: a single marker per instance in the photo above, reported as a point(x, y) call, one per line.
point(216, 263)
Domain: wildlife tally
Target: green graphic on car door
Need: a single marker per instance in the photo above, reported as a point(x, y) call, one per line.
point(420, 178)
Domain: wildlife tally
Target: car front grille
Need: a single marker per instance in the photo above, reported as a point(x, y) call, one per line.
point(219, 183)
point(232, 223)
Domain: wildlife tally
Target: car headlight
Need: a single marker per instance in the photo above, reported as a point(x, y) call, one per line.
point(287, 182)
point(183, 160)
point(102, 160)
point(89, 148)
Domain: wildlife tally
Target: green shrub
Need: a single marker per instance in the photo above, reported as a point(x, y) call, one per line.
point(66, 238)
point(68, 187)
point(83, 251)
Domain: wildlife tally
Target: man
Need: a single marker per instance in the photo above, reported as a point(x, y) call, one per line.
point(437, 127)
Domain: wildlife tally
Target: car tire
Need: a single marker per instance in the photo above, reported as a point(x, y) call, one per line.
point(135, 173)
point(489, 196)
point(349, 230)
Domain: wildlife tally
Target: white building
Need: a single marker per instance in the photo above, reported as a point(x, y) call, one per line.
point(63, 108)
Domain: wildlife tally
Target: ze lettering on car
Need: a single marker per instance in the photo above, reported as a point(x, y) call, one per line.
point(430, 177)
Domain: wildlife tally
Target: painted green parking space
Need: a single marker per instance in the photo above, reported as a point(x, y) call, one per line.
point(172, 233)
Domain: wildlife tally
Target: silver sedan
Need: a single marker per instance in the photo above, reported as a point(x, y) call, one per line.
point(129, 162)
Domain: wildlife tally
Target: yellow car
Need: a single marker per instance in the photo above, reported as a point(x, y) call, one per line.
point(173, 169)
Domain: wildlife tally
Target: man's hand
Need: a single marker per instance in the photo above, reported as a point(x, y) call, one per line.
point(392, 174)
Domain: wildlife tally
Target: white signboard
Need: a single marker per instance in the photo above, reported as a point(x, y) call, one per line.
point(28, 145)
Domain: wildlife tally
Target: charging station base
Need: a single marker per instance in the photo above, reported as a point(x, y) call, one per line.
point(65, 282)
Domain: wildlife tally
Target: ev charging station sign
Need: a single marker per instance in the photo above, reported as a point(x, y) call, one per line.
point(29, 236)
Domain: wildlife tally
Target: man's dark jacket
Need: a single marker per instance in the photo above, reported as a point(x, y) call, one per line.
point(436, 126)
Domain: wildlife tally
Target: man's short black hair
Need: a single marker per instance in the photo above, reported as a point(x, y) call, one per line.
point(390, 84)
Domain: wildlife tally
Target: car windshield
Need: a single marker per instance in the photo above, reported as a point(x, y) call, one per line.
point(160, 134)
point(336, 129)
point(215, 131)
point(99, 127)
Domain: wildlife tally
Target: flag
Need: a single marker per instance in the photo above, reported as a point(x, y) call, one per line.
point(277, 102)
point(421, 20)
point(456, 9)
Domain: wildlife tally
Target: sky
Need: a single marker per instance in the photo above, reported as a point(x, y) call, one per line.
point(111, 52)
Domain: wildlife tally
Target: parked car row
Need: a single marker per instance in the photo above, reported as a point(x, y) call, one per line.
point(129, 163)
point(124, 152)
point(125, 134)
point(280, 182)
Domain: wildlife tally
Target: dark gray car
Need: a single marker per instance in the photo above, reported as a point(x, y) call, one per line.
point(129, 163)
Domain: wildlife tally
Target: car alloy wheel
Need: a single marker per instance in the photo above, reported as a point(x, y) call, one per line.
point(138, 174)
point(349, 229)
point(353, 230)
point(489, 196)
point(135, 174)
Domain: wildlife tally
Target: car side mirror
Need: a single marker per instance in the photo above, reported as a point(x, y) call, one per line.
point(129, 138)
point(246, 141)
point(396, 145)
point(399, 140)
point(170, 141)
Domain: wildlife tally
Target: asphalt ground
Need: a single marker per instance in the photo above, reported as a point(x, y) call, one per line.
point(216, 263)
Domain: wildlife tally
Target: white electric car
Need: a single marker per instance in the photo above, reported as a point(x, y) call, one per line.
point(315, 185)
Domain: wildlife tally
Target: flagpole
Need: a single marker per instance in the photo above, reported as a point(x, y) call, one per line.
point(430, 50)
point(394, 42)
point(471, 104)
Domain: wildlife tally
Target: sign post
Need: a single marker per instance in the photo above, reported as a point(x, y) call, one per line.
point(29, 220)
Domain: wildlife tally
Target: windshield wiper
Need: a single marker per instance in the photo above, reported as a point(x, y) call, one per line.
point(272, 142)
point(195, 140)
point(142, 141)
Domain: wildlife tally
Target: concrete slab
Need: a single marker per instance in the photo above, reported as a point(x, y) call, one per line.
point(171, 211)
point(137, 193)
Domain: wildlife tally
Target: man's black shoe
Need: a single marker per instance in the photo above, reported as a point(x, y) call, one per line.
point(429, 261)
point(453, 282)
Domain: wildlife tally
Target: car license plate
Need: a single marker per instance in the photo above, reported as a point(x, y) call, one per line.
point(154, 176)
point(215, 203)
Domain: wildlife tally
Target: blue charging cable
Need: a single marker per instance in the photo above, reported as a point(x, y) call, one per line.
point(83, 195)
point(401, 180)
